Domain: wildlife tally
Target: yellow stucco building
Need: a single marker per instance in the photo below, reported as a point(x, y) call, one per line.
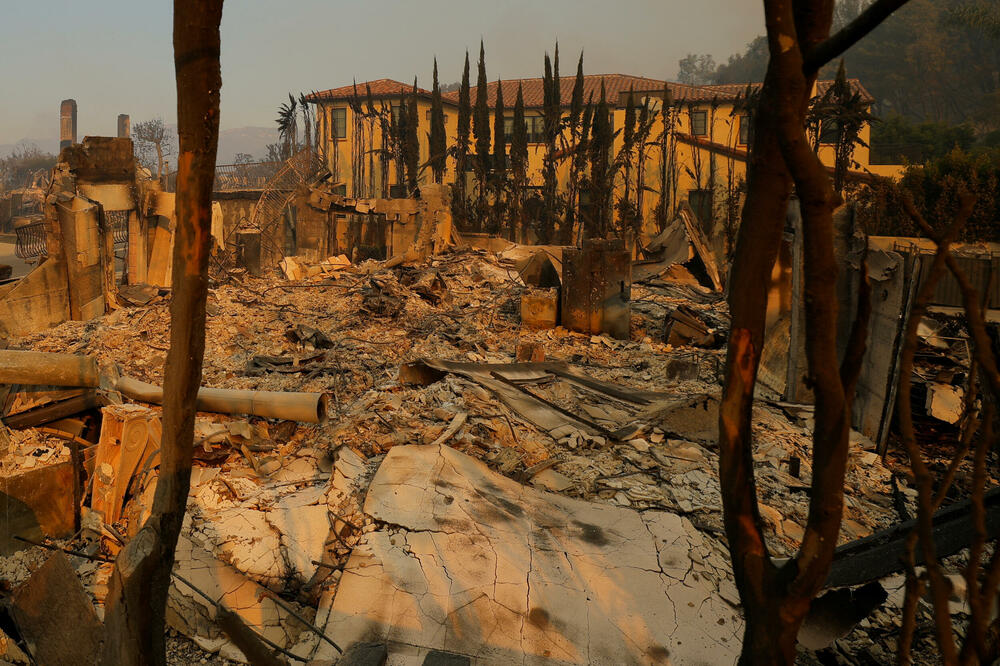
point(706, 149)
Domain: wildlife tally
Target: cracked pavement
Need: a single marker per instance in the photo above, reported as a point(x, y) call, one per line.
point(468, 561)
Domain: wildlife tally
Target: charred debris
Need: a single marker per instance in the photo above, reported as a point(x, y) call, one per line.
point(442, 446)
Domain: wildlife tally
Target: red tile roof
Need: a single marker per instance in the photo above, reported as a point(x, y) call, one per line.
point(823, 86)
point(616, 87)
point(733, 89)
point(379, 87)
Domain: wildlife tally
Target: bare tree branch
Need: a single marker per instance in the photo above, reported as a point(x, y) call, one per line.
point(970, 425)
point(850, 34)
point(914, 590)
point(776, 600)
point(925, 499)
point(980, 597)
point(975, 639)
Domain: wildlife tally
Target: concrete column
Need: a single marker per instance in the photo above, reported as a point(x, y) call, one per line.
point(67, 123)
point(124, 126)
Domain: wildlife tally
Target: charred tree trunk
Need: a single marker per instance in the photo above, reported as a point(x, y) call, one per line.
point(137, 599)
point(776, 600)
point(757, 246)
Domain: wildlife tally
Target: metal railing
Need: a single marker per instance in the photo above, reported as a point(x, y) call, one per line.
point(248, 176)
point(298, 169)
point(30, 241)
point(30, 238)
point(235, 177)
point(117, 220)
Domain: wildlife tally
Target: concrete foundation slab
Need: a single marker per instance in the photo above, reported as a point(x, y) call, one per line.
point(473, 563)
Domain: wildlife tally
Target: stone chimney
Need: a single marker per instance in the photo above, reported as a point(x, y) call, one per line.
point(124, 126)
point(67, 123)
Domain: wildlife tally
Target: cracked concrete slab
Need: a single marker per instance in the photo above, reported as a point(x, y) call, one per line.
point(304, 531)
point(189, 613)
point(468, 561)
point(244, 537)
point(270, 530)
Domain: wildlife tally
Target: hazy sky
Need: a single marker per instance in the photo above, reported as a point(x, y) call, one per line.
point(115, 56)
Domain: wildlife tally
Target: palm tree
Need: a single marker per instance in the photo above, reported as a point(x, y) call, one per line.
point(306, 121)
point(288, 128)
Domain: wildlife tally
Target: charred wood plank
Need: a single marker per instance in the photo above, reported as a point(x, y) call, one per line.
point(880, 554)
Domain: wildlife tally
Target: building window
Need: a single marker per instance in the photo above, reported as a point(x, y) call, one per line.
point(427, 115)
point(745, 130)
point(699, 123)
point(395, 113)
point(701, 202)
point(338, 123)
point(829, 131)
point(534, 125)
point(536, 129)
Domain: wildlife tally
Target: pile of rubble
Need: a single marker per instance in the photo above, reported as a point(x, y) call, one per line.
point(479, 488)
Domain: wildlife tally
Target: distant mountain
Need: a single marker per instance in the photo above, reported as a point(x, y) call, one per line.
point(45, 145)
point(251, 140)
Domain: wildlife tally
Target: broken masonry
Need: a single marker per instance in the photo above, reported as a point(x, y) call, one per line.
point(414, 442)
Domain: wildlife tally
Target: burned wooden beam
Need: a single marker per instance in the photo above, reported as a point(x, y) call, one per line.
point(55, 411)
point(880, 554)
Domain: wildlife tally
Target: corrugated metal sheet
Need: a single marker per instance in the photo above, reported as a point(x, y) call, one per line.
point(983, 271)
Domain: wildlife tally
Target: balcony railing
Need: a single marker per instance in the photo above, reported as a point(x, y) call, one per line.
point(248, 176)
point(235, 177)
point(30, 240)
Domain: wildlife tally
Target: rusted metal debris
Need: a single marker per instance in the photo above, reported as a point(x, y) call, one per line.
point(55, 617)
point(597, 288)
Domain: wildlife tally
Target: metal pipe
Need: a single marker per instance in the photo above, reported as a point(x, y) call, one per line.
point(304, 407)
point(51, 369)
point(47, 369)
